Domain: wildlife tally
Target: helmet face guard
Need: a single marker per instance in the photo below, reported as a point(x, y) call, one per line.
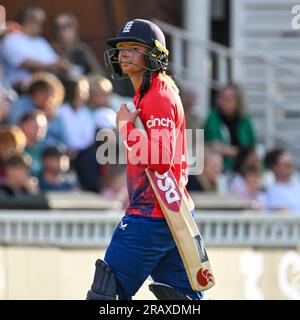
point(155, 61)
point(141, 32)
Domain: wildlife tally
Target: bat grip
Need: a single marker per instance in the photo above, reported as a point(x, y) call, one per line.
point(138, 123)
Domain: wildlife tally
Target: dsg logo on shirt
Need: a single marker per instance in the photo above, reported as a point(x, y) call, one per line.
point(160, 122)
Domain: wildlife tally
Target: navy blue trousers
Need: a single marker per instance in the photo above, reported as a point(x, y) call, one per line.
point(143, 246)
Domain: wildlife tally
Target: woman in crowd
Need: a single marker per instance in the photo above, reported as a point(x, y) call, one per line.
point(68, 45)
point(12, 140)
point(79, 127)
point(228, 127)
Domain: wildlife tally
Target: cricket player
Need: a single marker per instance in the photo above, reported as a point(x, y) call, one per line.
point(142, 243)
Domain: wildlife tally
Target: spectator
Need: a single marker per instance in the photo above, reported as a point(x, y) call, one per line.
point(100, 91)
point(79, 127)
point(114, 184)
point(228, 127)
point(250, 187)
point(45, 92)
point(38, 96)
point(247, 157)
point(99, 101)
point(104, 118)
point(55, 163)
point(77, 120)
point(34, 126)
point(284, 194)
point(26, 51)
point(17, 181)
point(189, 98)
point(68, 46)
point(12, 140)
point(211, 178)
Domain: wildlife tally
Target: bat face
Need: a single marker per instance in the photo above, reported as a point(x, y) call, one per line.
point(182, 225)
point(183, 228)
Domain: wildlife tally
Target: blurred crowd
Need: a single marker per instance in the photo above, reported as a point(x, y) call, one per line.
point(235, 164)
point(55, 97)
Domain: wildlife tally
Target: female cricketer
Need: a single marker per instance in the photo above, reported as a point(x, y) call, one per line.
point(142, 244)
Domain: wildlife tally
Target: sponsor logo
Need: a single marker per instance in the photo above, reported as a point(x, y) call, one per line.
point(123, 225)
point(204, 276)
point(167, 184)
point(160, 122)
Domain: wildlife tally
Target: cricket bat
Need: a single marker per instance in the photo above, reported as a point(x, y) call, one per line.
point(181, 223)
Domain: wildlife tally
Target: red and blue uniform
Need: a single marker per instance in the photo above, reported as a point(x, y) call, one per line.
point(142, 243)
point(165, 148)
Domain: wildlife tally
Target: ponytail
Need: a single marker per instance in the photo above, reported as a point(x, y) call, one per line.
point(166, 77)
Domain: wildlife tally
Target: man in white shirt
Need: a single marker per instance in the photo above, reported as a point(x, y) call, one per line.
point(26, 52)
point(284, 194)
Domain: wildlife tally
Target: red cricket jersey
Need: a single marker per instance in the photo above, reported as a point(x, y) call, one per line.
point(165, 148)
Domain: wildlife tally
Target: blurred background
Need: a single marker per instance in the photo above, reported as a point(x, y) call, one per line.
point(236, 63)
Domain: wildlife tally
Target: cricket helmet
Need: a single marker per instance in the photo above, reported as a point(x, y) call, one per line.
point(141, 32)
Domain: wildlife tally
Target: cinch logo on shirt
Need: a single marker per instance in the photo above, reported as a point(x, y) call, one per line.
point(160, 122)
point(128, 26)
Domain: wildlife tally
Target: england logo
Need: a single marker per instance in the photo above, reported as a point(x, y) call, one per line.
point(128, 27)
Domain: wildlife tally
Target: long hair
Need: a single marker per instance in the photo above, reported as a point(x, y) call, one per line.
point(166, 76)
point(240, 97)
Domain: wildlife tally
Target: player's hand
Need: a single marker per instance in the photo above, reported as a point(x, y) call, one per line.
point(124, 116)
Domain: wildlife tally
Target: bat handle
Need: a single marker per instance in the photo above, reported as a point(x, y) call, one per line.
point(138, 123)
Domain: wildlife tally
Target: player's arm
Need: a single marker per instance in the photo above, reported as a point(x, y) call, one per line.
point(157, 150)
